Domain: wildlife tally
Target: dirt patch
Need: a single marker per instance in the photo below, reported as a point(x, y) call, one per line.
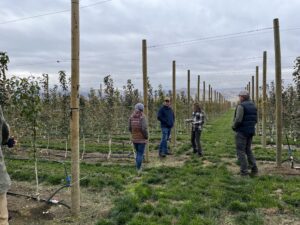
point(264, 167)
point(95, 205)
point(169, 160)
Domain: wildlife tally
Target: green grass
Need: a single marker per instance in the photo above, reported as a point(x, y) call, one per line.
point(199, 194)
point(193, 194)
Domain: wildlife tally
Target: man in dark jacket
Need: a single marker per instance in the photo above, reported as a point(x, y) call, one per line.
point(245, 118)
point(166, 117)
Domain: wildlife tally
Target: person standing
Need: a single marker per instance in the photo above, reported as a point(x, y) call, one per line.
point(197, 121)
point(5, 181)
point(166, 117)
point(245, 118)
point(139, 133)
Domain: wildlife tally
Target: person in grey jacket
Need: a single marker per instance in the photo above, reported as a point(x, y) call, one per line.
point(244, 121)
point(5, 181)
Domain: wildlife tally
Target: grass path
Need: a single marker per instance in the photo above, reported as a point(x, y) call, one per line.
point(205, 191)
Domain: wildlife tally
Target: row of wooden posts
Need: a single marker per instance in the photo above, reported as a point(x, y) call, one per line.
point(74, 105)
point(251, 86)
point(218, 97)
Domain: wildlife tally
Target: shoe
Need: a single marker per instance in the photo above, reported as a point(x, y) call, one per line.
point(200, 155)
point(162, 155)
point(169, 153)
point(254, 173)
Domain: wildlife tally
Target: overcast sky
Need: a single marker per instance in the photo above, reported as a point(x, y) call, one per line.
point(112, 33)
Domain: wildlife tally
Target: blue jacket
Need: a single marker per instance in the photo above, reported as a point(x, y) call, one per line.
point(166, 117)
point(247, 126)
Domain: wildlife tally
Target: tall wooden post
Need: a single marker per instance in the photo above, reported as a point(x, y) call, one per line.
point(264, 102)
point(278, 91)
point(198, 89)
point(145, 88)
point(252, 91)
point(257, 98)
point(174, 103)
point(189, 90)
point(209, 93)
point(249, 88)
point(203, 96)
point(257, 87)
point(74, 104)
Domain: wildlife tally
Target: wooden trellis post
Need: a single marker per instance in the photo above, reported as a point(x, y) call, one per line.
point(252, 90)
point(174, 103)
point(257, 97)
point(278, 91)
point(189, 90)
point(74, 104)
point(264, 101)
point(145, 88)
point(198, 89)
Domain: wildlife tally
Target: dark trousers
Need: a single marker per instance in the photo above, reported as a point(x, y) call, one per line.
point(139, 148)
point(244, 153)
point(165, 135)
point(195, 139)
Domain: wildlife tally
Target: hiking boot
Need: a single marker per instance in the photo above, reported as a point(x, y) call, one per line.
point(254, 172)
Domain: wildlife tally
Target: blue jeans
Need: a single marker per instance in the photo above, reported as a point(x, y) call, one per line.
point(163, 147)
point(139, 148)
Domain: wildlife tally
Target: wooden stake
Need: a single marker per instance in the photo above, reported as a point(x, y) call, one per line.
point(257, 87)
point(198, 89)
point(174, 103)
point(257, 98)
point(203, 92)
point(189, 88)
point(252, 91)
point(74, 123)
point(209, 89)
point(264, 101)
point(145, 88)
point(278, 91)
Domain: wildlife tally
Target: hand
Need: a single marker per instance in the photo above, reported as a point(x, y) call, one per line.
point(233, 128)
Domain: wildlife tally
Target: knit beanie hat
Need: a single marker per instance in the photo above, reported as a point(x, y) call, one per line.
point(139, 107)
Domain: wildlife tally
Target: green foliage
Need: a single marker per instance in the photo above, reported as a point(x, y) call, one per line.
point(296, 75)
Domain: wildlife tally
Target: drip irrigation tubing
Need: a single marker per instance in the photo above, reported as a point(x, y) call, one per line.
point(38, 199)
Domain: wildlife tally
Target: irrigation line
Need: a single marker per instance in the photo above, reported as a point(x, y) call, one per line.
point(38, 199)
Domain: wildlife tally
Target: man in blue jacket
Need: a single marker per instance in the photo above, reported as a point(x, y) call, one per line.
point(166, 117)
point(245, 118)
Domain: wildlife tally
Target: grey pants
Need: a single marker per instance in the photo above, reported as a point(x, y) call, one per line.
point(195, 139)
point(244, 153)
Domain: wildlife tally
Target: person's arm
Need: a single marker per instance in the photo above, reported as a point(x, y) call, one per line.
point(144, 127)
point(160, 116)
point(202, 118)
point(238, 117)
point(5, 132)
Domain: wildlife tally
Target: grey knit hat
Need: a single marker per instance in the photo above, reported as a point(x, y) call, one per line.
point(139, 107)
point(244, 93)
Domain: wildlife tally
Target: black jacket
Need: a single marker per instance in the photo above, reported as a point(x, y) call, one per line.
point(166, 116)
